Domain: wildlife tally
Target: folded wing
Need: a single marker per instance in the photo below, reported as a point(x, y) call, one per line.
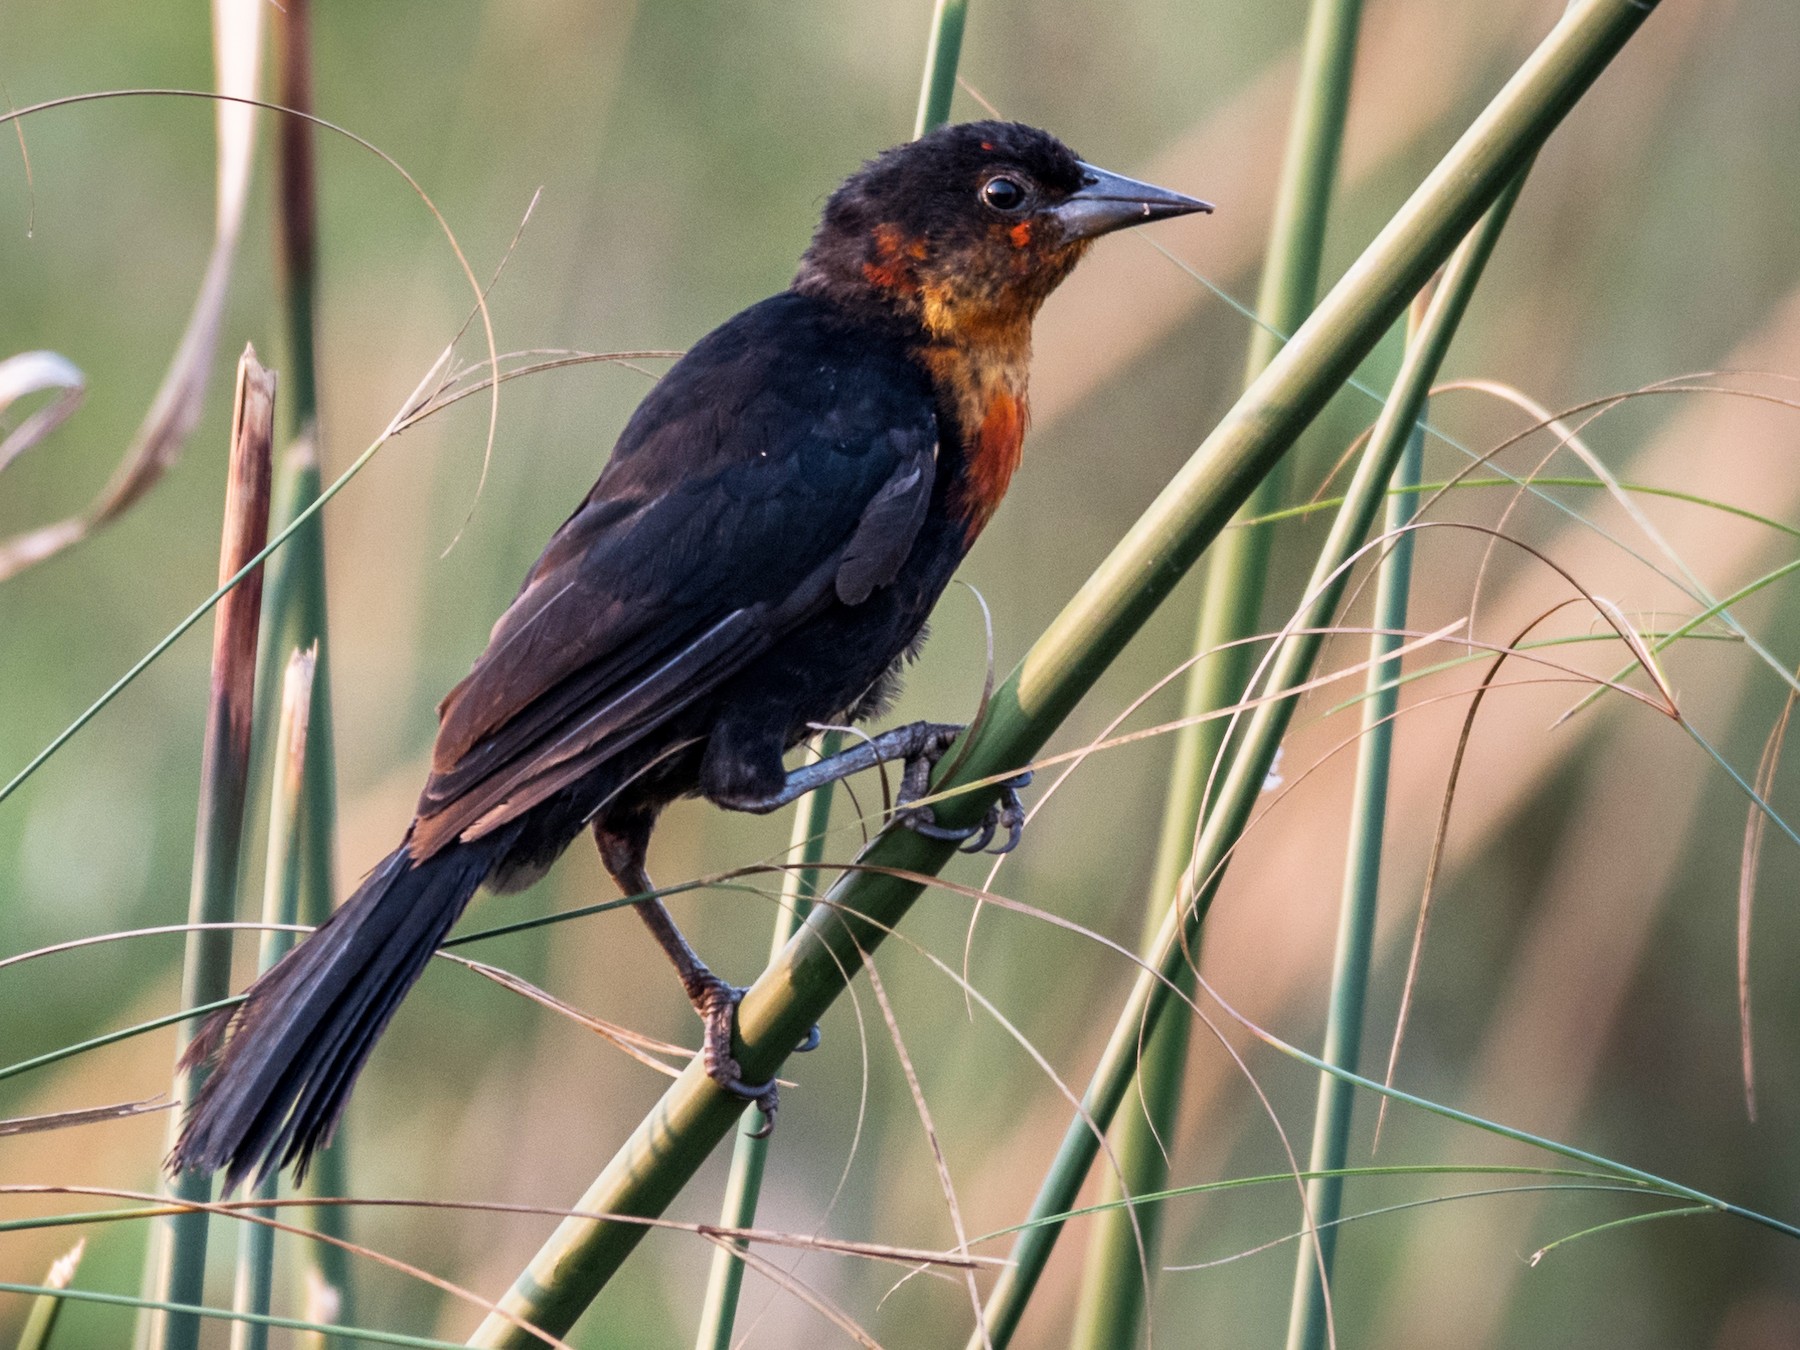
point(724, 521)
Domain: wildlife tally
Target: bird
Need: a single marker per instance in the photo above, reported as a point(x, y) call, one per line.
point(758, 558)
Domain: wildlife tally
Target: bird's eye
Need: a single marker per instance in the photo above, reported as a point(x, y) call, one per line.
point(1003, 193)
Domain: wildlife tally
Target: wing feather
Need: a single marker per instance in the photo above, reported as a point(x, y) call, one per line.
point(760, 483)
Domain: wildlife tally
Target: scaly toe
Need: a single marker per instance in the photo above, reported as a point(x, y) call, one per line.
point(719, 1014)
point(923, 820)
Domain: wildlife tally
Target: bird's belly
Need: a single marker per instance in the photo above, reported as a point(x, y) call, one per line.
point(845, 664)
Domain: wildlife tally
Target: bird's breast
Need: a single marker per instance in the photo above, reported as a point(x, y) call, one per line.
point(994, 453)
point(985, 389)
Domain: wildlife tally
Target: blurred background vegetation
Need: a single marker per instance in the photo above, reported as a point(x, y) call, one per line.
point(1580, 975)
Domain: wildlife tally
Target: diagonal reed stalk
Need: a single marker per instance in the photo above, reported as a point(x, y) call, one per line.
point(694, 1115)
point(296, 600)
point(177, 1270)
point(743, 1183)
point(1116, 1280)
point(280, 905)
point(1398, 437)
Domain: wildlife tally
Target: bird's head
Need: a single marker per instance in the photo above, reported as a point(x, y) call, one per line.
point(969, 229)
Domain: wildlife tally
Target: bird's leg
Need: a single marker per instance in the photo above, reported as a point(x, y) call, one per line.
point(915, 742)
point(622, 851)
point(919, 745)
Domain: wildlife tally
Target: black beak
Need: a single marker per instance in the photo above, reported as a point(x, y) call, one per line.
point(1108, 201)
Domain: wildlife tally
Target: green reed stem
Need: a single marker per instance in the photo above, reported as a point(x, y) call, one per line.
point(743, 1184)
point(1307, 1324)
point(1116, 1279)
point(47, 1307)
point(297, 605)
point(942, 54)
point(1398, 437)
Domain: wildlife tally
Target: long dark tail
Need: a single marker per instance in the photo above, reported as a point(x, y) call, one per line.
point(293, 1048)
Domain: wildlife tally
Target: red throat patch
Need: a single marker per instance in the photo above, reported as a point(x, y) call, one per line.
point(994, 455)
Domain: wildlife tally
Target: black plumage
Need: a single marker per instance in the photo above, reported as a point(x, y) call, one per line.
point(762, 550)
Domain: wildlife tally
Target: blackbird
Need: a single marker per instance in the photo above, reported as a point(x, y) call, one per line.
point(757, 559)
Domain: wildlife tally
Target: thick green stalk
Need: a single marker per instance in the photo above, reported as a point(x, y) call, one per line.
point(743, 1184)
point(281, 903)
point(674, 1140)
point(1429, 340)
point(178, 1246)
point(1307, 1323)
point(941, 56)
point(1115, 1282)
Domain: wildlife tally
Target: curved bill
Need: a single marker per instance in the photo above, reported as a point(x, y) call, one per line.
point(1108, 201)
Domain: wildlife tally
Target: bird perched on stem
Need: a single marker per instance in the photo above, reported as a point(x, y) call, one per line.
point(757, 559)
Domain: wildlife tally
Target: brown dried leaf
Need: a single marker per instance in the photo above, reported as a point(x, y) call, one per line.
point(61, 1120)
point(175, 411)
point(33, 373)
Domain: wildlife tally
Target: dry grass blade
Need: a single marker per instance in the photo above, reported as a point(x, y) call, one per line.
point(1569, 438)
point(1754, 822)
point(160, 930)
point(247, 1210)
point(155, 1205)
point(931, 1135)
point(30, 181)
point(178, 1254)
point(1438, 840)
point(640, 1047)
point(246, 531)
point(175, 411)
point(35, 373)
point(88, 1115)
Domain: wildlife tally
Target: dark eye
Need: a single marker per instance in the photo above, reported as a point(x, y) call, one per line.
point(1003, 193)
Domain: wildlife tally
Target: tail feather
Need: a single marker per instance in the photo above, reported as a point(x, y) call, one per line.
point(287, 1057)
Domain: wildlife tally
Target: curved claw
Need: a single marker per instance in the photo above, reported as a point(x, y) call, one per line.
point(811, 1042)
point(922, 820)
point(989, 823)
point(762, 1095)
point(1011, 811)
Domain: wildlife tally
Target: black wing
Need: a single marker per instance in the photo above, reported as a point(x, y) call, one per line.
point(775, 470)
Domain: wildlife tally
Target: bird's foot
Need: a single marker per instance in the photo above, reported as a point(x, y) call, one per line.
point(717, 1003)
point(1008, 812)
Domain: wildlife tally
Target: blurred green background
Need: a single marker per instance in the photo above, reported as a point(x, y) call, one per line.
point(1580, 976)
